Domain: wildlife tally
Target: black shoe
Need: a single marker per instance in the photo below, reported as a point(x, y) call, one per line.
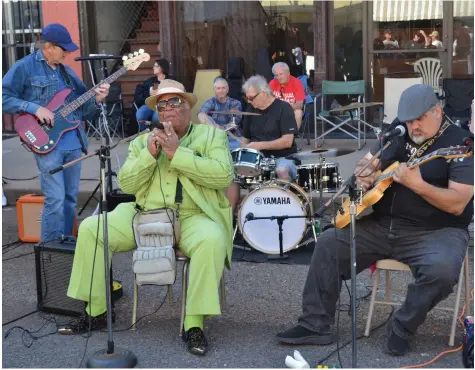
point(396, 345)
point(196, 341)
point(81, 324)
point(301, 335)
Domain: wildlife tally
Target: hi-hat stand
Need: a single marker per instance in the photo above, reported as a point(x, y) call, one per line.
point(111, 357)
point(102, 122)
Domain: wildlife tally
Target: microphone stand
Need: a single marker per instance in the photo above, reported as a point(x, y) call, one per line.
point(355, 196)
point(111, 357)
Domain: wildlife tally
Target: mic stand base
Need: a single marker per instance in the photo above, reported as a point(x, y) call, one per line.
point(119, 359)
point(277, 257)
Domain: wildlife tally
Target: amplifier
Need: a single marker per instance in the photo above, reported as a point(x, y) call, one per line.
point(54, 262)
point(29, 208)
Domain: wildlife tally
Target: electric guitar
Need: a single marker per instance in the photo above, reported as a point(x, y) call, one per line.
point(385, 179)
point(42, 138)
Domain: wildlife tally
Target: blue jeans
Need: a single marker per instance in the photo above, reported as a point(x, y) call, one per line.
point(61, 193)
point(144, 113)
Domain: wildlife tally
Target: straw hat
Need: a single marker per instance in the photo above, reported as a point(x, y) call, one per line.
point(170, 87)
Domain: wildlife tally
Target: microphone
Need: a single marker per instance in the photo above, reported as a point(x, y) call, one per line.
point(249, 216)
point(399, 130)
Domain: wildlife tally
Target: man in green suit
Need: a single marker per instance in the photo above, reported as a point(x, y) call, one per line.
point(198, 157)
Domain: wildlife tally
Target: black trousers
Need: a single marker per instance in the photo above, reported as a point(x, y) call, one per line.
point(435, 258)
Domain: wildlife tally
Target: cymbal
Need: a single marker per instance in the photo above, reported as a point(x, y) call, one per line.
point(355, 106)
point(237, 112)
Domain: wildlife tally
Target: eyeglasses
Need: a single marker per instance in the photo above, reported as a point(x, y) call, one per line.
point(251, 99)
point(172, 102)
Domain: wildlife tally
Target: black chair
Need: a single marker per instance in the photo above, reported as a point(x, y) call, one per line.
point(458, 97)
point(235, 78)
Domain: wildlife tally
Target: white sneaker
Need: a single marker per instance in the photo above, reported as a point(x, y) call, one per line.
point(4, 199)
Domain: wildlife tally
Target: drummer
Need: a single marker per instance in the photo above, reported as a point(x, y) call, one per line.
point(272, 130)
point(222, 102)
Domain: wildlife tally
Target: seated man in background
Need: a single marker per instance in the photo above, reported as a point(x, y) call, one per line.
point(222, 102)
point(198, 158)
point(288, 88)
point(272, 131)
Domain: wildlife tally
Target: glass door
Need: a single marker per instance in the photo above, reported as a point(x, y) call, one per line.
point(405, 37)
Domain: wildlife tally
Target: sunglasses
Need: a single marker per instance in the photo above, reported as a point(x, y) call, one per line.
point(172, 102)
point(250, 100)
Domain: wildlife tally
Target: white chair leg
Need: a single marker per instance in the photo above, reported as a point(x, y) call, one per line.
point(456, 308)
point(371, 305)
point(134, 307)
point(184, 283)
point(468, 305)
point(387, 294)
point(170, 295)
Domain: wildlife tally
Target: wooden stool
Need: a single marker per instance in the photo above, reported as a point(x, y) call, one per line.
point(389, 264)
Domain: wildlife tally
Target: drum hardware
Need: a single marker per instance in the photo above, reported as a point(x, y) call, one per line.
point(248, 162)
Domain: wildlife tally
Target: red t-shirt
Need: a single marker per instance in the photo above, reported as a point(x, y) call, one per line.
point(291, 93)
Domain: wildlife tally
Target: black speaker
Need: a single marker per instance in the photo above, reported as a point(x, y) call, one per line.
point(54, 261)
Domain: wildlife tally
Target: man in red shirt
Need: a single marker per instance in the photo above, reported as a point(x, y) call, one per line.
point(289, 89)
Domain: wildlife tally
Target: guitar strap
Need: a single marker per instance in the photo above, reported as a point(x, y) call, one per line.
point(429, 142)
point(67, 81)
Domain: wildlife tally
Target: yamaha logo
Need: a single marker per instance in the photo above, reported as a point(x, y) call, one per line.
point(271, 200)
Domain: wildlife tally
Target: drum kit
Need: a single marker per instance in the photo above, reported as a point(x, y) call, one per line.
point(270, 198)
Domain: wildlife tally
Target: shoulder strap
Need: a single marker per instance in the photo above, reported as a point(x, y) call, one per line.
point(65, 75)
point(429, 142)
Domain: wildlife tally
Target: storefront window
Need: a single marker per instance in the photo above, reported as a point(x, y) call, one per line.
point(462, 56)
point(406, 34)
point(348, 31)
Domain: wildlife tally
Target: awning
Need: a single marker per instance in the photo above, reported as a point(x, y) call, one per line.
point(411, 10)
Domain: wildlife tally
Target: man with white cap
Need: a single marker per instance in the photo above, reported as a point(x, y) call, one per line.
point(193, 160)
point(28, 86)
point(421, 220)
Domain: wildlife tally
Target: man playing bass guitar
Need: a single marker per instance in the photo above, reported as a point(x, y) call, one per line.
point(421, 220)
point(27, 88)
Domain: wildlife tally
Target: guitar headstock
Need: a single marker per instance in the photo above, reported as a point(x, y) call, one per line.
point(132, 61)
point(454, 152)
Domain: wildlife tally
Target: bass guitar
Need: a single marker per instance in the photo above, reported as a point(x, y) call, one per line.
point(385, 179)
point(42, 138)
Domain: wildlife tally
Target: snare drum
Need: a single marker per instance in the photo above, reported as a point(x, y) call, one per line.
point(248, 162)
point(274, 198)
point(323, 177)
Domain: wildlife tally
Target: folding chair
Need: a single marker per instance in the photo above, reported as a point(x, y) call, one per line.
point(115, 111)
point(346, 118)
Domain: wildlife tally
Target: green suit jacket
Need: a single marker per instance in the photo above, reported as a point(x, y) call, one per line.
point(202, 163)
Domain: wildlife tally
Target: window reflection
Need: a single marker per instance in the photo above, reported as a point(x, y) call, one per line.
point(462, 62)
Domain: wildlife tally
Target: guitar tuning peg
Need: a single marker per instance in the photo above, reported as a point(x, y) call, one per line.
point(136, 53)
point(141, 51)
point(124, 58)
point(131, 55)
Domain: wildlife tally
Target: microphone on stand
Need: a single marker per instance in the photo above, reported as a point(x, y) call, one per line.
point(399, 130)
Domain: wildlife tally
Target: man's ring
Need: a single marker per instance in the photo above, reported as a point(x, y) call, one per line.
point(166, 139)
point(169, 134)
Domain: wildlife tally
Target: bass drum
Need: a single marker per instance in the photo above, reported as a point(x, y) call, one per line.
point(275, 198)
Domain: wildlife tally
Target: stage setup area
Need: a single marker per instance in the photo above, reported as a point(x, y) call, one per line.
point(262, 294)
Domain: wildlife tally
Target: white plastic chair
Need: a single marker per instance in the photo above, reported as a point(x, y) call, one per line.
point(431, 72)
point(393, 88)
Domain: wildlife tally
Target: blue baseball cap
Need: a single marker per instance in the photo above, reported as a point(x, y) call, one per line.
point(415, 101)
point(59, 35)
